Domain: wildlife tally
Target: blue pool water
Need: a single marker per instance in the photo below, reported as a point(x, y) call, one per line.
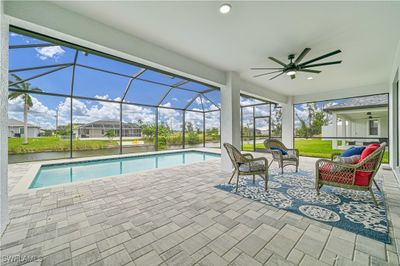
point(62, 173)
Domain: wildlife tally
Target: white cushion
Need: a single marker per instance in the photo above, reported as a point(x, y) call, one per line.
point(252, 166)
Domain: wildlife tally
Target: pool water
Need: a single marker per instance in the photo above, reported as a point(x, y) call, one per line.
point(62, 173)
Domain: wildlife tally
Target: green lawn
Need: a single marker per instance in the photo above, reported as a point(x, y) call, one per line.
point(312, 148)
point(43, 144)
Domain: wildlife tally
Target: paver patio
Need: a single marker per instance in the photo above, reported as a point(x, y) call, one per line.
point(175, 216)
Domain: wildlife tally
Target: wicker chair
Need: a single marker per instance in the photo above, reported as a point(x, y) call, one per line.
point(246, 164)
point(358, 176)
point(292, 157)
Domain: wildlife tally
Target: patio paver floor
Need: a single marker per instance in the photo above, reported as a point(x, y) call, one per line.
point(176, 217)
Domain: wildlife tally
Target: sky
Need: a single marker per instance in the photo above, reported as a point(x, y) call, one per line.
point(103, 86)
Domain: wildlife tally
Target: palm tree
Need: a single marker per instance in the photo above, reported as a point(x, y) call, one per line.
point(24, 92)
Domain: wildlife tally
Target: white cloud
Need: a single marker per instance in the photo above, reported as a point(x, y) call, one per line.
point(38, 115)
point(88, 111)
point(53, 52)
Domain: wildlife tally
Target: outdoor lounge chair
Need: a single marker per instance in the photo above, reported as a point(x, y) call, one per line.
point(275, 147)
point(246, 164)
point(358, 176)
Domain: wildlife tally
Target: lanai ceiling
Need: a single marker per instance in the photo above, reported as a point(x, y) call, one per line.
point(366, 32)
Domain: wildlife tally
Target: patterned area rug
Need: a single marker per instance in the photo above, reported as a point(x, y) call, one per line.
point(350, 210)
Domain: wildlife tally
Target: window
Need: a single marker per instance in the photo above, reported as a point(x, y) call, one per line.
point(373, 127)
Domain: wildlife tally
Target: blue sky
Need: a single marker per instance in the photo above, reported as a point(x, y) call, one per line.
point(100, 85)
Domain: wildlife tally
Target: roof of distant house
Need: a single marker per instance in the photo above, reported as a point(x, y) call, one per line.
point(16, 123)
point(108, 124)
point(360, 103)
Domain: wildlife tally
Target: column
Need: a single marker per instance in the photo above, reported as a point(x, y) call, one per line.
point(335, 131)
point(230, 117)
point(3, 120)
point(344, 133)
point(288, 123)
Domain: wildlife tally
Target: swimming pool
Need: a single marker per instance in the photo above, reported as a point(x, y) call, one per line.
point(55, 174)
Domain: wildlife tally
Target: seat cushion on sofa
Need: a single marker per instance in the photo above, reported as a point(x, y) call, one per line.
point(252, 166)
point(369, 150)
point(353, 151)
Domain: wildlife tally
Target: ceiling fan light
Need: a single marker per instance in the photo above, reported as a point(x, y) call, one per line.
point(291, 73)
point(310, 78)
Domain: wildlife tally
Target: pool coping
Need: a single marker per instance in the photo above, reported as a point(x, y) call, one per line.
point(24, 183)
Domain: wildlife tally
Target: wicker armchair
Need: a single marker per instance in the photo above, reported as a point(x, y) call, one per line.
point(246, 164)
point(358, 176)
point(292, 157)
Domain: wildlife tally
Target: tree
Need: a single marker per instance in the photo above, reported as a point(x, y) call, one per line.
point(189, 127)
point(24, 91)
point(110, 134)
point(313, 124)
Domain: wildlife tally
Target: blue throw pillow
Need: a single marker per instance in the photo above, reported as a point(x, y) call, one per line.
point(353, 151)
point(281, 150)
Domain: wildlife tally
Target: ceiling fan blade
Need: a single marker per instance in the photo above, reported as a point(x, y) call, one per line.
point(276, 76)
point(302, 55)
point(277, 61)
point(267, 73)
point(321, 57)
point(309, 70)
point(265, 68)
point(323, 64)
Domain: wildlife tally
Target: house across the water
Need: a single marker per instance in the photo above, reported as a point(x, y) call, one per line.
point(358, 121)
point(16, 129)
point(98, 129)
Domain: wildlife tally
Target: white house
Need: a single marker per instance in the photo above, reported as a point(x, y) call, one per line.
point(98, 129)
point(358, 121)
point(16, 129)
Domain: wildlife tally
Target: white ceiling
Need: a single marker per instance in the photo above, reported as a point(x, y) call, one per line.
point(366, 32)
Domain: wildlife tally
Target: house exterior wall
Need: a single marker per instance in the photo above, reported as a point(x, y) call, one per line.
point(100, 132)
point(358, 128)
point(33, 132)
point(3, 120)
point(394, 116)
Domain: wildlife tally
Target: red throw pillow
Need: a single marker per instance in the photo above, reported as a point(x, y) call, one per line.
point(368, 150)
point(362, 178)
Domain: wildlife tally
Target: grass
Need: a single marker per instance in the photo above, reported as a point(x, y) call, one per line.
point(313, 148)
point(43, 144)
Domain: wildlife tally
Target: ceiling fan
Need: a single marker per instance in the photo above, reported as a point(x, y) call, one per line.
point(296, 66)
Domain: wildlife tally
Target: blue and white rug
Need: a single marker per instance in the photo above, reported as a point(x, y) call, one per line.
point(350, 210)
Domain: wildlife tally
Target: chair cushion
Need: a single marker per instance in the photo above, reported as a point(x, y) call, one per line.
point(348, 160)
point(252, 166)
point(329, 173)
point(362, 178)
point(279, 149)
point(289, 156)
point(352, 151)
point(368, 150)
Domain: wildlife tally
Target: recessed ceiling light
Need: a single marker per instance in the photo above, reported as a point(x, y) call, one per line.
point(225, 8)
point(310, 78)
